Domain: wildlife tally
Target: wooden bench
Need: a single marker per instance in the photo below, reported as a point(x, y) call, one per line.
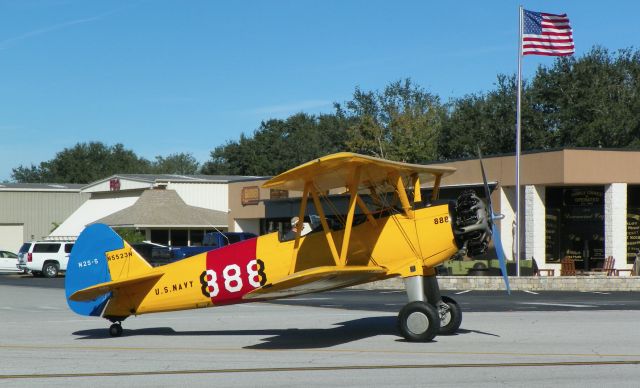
point(608, 267)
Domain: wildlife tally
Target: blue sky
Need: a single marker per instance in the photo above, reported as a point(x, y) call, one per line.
point(171, 76)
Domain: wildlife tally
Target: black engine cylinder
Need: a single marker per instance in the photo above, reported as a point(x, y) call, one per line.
point(471, 224)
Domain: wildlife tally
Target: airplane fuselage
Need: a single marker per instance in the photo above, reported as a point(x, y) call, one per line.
point(403, 245)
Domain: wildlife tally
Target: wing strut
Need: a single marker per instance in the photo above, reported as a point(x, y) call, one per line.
point(402, 195)
point(417, 194)
point(325, 226)
point(366, 211)
point(353, 195)
point(303, 207)
point(436, 187)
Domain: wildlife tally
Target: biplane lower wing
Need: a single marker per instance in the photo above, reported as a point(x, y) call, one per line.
point(316, 280)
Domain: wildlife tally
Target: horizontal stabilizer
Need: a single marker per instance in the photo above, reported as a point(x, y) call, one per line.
point(93, 292)
point(317, 279)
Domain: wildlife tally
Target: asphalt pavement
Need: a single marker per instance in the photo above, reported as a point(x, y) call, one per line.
point(393, 300)
point(339, 338)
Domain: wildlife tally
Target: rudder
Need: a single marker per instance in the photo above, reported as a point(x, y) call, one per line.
point(99, 255)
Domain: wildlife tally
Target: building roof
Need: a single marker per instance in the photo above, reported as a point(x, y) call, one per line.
point(41, 187)
point(164, 208)
point(91, 210)
point(199, 178)
point(564, 167)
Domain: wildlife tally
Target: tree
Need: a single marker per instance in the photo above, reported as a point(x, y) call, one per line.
point(132, 236)
point(31, 174)
point(279, 145)
point(588, 101)
point(591, 101)
point(83, 163)
point(179, 163)
point(402, 123)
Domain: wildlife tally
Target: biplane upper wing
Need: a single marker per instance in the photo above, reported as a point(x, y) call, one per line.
point(351, 171)
point(336, 170)
point(317, 279)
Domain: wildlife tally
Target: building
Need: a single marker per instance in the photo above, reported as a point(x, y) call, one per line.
point(578, 203)
point(166, 209)
point(30, 211)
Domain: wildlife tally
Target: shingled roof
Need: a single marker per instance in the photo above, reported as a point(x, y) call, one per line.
point(165, 208)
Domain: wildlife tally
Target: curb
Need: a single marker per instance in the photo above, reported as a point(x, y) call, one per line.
point(523, 283)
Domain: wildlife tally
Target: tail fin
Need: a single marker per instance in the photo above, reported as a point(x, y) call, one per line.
point(99, 256)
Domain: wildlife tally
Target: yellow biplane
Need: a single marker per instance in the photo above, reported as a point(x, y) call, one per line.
point(388, 230)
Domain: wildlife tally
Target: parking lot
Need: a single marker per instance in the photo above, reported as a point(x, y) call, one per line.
point(345, 338)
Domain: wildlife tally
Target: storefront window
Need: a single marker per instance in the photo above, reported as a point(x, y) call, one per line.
point(633, 223)
point(179, 237)
point(160, 236)
point(575, 225)
point(196, 237)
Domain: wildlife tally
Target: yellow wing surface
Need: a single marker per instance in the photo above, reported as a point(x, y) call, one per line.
point(353, 172)
point(337, 170)
point(317, 279)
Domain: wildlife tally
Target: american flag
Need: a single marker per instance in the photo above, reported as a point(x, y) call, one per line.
point(546, 34)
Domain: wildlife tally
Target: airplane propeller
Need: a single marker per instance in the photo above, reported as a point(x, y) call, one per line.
point(497, 243)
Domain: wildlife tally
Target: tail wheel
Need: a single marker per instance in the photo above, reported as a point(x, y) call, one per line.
point(418, 322)
point(450, 316)
point(115, 330)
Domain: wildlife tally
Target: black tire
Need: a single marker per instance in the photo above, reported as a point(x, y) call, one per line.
point(451, 319)
point(418, 322)
point(50, 270)
point(115, 330)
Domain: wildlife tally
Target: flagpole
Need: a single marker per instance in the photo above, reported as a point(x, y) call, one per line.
point(518, 218)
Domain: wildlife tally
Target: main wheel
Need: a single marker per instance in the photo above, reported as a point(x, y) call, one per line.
point(418, 322)
point(50, 270)
point(115, 330)
point(450, 316)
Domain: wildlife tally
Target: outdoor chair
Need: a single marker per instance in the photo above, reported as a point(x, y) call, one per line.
point(567, 267)
point(608, 267)
point(633, 271)
point(537, 271)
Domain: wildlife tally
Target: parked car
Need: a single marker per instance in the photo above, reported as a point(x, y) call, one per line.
point(9, 262)
point(47, 258)
point(157, 254)
point(220, 239)
point(154, 254)
point(210, 242)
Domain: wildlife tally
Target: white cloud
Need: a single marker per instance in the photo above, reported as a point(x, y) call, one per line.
point(45, 30)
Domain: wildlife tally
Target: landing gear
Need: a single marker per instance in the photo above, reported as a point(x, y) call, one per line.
point(450, 316)
point(115, 330)
point(428, 313)
point(418, 322)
